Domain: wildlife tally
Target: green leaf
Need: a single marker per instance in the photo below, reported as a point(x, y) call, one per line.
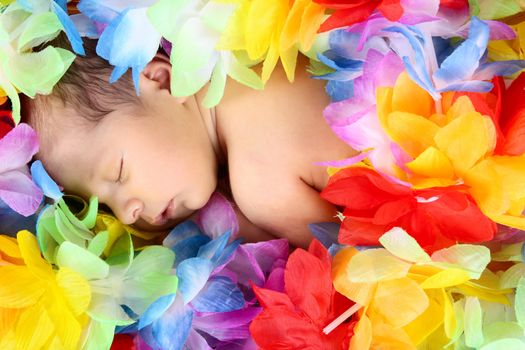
point(82, 261)
point(100, 335)
point(473, 323)
point(40, 28)
point(90, 219)
point(375, 265)
point(472, 258)
point(519, 302)
point(244, 75)
point(216, 87)
point(511, 277)
point(122, 252)
point(99, 243)
point(398, 242)
point(504, 344)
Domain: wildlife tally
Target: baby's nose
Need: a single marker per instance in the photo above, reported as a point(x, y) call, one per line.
point(132, 210)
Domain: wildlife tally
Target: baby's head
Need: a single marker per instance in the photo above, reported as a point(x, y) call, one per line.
point(148, 157)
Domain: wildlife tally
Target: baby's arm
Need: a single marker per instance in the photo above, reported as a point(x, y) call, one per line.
point(284, 207)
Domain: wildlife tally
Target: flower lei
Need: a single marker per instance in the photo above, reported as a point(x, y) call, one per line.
point(429, 253)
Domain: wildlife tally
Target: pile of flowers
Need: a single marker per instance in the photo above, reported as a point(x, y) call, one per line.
point(429, 252)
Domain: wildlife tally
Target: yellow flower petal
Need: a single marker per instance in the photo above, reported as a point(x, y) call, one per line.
point(466, 140)
point(290, 32)
point(289, 61)
point(9, 246)
point(31, 254)
point(445, 279)
point(461, 106)
point(411, 98)
point(362, 337)
point(432, 163)
point(426, 323)
point(388, 337)
point(19, 288)
point(232, 38)
point(398, 302)
point(412, 132)
point(265, 18)
point(76, 289)
point(375, 265)
point(66, 326)
point(312, 18)
point(8, 318)
point(34, 328)
point(360, 293)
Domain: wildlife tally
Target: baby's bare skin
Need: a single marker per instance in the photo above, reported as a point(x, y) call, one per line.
point(157, 168)
point(272, 150)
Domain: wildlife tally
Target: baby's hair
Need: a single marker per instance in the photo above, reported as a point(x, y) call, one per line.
point(84, 88)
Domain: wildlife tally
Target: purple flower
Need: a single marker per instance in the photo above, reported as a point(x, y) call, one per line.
point(17, 189)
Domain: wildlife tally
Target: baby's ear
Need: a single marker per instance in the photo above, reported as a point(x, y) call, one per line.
point(159, 71)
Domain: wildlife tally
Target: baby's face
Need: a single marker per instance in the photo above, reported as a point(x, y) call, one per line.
point(151, 169)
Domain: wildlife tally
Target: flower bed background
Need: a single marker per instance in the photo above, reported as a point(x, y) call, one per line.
point(429, 253)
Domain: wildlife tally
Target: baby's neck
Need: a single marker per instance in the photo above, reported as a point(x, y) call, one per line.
point(209, 118)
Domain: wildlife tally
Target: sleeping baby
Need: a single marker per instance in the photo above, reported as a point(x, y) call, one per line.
point(155, 159)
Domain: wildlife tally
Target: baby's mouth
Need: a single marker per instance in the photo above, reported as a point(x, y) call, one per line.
point(166, 215)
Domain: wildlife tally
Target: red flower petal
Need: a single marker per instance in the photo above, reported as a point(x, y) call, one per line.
point(318, 250)
point(459, 218)
point(454, 4)
point(361, 189)
point(514, 144)
point(122, 342)
point(359, 232)
point(269, 298)
point(391, 9)
point(276, 329)
point(512, 117)
point(6, 122)
point(310, 295)
point(436, 217)
point(347, 17)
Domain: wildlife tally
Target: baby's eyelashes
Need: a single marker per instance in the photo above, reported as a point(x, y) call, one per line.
point(121, 171)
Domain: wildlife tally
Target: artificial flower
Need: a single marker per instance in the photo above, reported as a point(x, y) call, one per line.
point(285, 28)
point(512, 118)
point(17, 189)
point(463, 69)
point(454, 4)
point(217, 217)
point(495, 9)
point(435, 217)
point(202, 302)
point(295, 318)
point(194, 63)
point(355, 119)
point(512, 49)
point(41, 308)
point(505, 107)
point(456, 146)
point(21, 69)
point(124, 21)
point(354, 11)
point(123, 286)
point(59, 8)
point(261, 264)
point(407, 296)
point(6, 122)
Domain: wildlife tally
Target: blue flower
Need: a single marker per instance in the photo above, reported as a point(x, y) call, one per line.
point(129, 40)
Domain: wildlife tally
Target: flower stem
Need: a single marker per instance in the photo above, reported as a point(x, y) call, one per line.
point(343, 317)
